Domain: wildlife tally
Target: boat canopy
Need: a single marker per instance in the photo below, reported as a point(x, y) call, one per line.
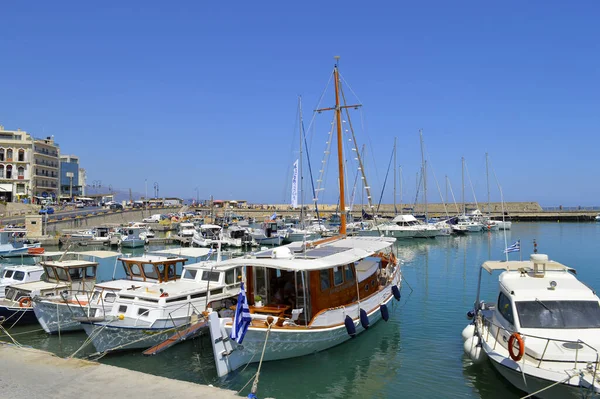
point(210, 226)
point(525, 265)
point(293, 257)
point(153, 259)
point(404, 218)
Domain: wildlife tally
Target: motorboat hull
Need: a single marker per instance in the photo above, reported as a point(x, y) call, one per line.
point(108, 338)
point(135, 243)
point(17, 316)
point(55, 317)
point(8, 251)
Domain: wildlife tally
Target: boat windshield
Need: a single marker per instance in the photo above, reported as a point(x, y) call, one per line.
point(558, 314)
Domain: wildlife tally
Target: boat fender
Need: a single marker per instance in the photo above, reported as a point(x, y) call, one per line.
point(364, 319)
point(385, 315)
point(511, 349)
point(473, 349)
point(25, 302)
point(396, 292)
point(350, 327)
point(121, 316)
point(468, 332)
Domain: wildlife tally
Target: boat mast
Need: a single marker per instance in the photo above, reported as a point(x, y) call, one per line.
point(301, 174)
point(401, 212)
point(395, 210)
point(338, 113)
point(424, 175)
point(487, 179)
point(463, 186)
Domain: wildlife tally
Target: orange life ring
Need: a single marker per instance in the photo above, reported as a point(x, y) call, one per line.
point(25, 302)
point(516, 336)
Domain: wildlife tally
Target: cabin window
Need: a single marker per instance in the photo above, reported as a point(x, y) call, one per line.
point(61, 273)
point(142, 312)
point(150, 271)
point(216, 292)
point(338, 275)
point(75, 274)
point(19, 275)
point(50, 273)
point(110, 298)
point(199, 295)
point(122, 308)
point(95, 296)
point(8, 274)
point(349, 273)
point(90, 272)
point(190, 274)
point(558, 314)
point(260, 283)
point(171, 271)
point(505, 308)
point(325, 281)
point(230, 276)
point(210, 276)
point(135, 269)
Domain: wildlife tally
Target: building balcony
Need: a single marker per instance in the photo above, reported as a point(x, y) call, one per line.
point(51, 154)
point(46, 164)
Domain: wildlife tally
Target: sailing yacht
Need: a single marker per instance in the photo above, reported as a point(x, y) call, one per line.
point(308, 297)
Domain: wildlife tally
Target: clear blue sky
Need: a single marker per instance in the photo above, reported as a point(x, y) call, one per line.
point(203, 94)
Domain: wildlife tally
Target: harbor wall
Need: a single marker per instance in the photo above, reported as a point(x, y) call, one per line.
point(112, 217)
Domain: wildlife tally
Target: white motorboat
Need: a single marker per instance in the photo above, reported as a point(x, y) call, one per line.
point(141, 318)
point(187, 229)
point(466, 225)
point(268, 234)
point(406, 226)
point(16, 274)
point(307, 297)
point(207, 236)
point(237, 236)
point(12, 245)
point(131, 238)
point(59, 276)
point(62, 313)
point(542, 333)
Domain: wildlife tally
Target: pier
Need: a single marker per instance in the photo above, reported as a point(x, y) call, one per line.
point(32, 373)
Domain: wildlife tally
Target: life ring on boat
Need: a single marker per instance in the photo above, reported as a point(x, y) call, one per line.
point(25, 302)
point(516, 336)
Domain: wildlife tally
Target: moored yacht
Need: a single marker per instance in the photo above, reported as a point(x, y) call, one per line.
point(542, 333)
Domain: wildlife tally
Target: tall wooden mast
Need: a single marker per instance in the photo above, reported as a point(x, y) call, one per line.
point(338, 114)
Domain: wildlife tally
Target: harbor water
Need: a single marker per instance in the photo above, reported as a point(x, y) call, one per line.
point(417, 353)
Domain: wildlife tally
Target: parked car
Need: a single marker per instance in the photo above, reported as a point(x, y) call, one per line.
point(46, 211)
point(79, 204)
point(114, 205)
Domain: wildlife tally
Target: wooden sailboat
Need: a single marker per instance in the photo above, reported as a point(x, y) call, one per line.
point(308, 297)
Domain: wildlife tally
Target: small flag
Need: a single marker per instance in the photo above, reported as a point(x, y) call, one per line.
point(242, 319)
point(274, 216)
point(516, 247)
point(210, 251)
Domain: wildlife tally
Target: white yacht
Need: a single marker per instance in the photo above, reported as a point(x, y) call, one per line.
point(407, 226)
point(268, 233)
point(141, 318)
point(542, 333)
point(131, 237)
point(207, 236)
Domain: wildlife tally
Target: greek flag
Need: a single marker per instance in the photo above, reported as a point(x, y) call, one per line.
point(516, 247)
point(242, 319)
point(274, 216)
point(210, 251)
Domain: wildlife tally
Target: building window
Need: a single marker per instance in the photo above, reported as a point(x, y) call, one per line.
point(21, 172)
point(20, 189)
point(1, 154)
point(21, 156)
point(9, 171)
point(9, 154)
point(1, 171)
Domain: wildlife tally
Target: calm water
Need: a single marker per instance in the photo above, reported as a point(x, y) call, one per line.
point(417, 353)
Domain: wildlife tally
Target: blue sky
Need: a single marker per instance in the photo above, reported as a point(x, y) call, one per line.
point(204, 94)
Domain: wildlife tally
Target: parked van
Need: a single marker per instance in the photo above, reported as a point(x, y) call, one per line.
point(153, 219)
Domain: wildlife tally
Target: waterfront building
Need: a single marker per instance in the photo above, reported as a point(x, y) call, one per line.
point(46, 169)
point(15, 165)
point(70, 183)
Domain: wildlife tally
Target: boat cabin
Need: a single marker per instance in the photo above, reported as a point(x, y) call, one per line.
point(211, 231)
point(153, 268)
point(313, 279)
point(19, 274)
point(406, 220)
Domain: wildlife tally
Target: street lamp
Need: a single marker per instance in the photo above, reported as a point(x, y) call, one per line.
point(197, 196)
point(155, 190)
point(70, 176)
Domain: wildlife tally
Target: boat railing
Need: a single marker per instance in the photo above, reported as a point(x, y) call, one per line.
point(487, 322)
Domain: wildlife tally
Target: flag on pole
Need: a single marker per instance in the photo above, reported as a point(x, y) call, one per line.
point(516, 247)
point(274, 216)
point(242, 319)
point(295, 186)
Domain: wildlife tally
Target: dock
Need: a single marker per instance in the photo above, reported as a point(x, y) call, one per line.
point(31, 373)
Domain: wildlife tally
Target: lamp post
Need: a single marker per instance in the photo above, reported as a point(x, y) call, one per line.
point(70, 176)
point(156, 190)
point(197, 196)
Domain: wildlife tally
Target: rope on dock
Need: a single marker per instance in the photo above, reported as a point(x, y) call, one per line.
point(256, 376)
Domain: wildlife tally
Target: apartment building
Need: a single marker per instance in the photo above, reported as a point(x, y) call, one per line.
point(16, 173)
point(46, 169)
